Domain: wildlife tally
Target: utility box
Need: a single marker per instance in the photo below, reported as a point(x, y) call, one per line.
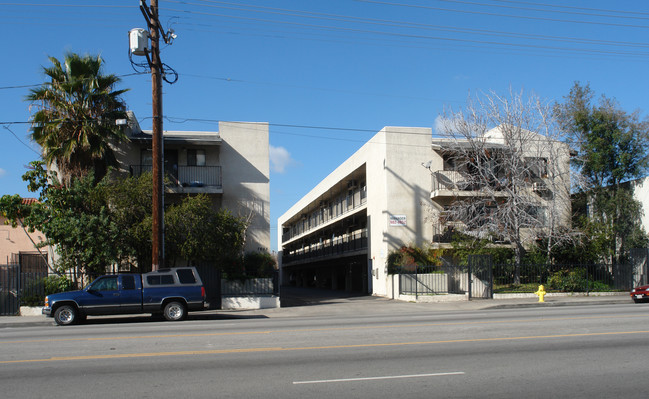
point(139, 41)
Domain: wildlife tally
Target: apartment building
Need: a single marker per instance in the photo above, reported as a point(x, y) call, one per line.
point(231, 166)
point(393, 191)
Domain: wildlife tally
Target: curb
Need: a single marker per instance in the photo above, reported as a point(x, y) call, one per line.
point(554, 304)
point(41, 321)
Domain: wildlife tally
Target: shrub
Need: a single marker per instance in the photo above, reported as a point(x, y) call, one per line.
point(569, 281)
point(51, 285)
point(408, 257)
point(259, 264)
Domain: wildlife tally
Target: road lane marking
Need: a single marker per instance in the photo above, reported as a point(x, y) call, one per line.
point(283, 349)
point(216, 334)
point(387, 377)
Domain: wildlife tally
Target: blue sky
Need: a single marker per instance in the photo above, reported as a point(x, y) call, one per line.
point(326, 74)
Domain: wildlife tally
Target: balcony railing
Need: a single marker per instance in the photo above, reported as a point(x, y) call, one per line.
point(339, 208)
point(339, 246)
point(187, 176)
point(459, 181)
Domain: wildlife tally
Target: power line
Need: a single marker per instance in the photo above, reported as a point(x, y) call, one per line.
point(22, 142)
point(437, 38)
point(551, 11)
point(49, 83)
point(571, 21)
point(40, 5)
point(402, 24)
point(570, 7)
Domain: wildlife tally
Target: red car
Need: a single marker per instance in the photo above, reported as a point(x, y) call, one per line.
point(640, 294)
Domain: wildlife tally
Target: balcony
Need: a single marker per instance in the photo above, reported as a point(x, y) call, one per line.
point(341, 246)
point(444, 233)
point(337, 209)
point(453, 184)
point(188, 179)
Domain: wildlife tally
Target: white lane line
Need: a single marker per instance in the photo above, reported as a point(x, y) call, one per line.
point(388, 377)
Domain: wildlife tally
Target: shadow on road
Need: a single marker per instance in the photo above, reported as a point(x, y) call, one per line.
point(208, 315)
point(298, 296)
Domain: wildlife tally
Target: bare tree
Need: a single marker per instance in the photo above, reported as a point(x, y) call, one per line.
point(508, 171)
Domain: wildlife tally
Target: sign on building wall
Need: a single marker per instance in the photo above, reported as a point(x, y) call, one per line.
point(398, 220)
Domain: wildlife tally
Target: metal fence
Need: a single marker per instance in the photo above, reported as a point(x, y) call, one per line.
point(473, 280)
point(565, 277)
point(483, 279)
point(251, 287)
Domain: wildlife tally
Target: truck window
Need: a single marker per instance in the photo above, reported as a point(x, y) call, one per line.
point(105, 284)
point(186, 276)
point(160, 279)
point(128, 282)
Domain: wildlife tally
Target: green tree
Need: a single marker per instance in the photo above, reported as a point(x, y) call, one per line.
point(76, 220)
point(612, 150)
point(75, 118)
point(130, 204)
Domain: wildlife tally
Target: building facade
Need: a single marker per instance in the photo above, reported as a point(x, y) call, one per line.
point(392, 192)
point(20, 246)
point(230, 166)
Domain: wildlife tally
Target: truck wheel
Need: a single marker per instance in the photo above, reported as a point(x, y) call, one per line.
point(174, 311)
point(65, 315)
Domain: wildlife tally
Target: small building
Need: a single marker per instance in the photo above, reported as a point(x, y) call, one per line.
point(230, 166)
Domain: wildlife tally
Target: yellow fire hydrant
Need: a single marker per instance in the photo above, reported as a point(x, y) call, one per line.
point(541, 293)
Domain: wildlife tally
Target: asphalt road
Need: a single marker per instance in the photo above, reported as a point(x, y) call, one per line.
point(577, 352)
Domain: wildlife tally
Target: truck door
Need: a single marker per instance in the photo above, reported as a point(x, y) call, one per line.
point(130, 294)
point(101, 297)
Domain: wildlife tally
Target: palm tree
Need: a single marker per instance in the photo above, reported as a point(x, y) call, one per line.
point(75, 121)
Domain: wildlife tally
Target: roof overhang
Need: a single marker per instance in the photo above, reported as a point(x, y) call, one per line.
point(186, 138)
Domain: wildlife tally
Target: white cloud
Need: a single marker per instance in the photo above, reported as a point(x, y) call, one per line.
point(280, 159)
point(2, 172)
point(441, 125)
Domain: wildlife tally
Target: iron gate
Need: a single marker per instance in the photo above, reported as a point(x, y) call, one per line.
point(640, 269)
point(480, 277)
point(9, 290)
point(211, 278)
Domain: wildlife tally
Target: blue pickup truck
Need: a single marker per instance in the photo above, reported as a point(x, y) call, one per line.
point(170, 292)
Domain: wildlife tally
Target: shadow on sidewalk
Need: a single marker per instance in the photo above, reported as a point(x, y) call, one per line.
point(299, 296)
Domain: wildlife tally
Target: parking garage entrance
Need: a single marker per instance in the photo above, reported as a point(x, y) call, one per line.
point(347, 274)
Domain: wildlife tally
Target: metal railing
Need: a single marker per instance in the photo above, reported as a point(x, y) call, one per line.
point(337, 246)
point(460, 181)
point(453, 279)
point(251, 287)
point(187, 176)
point(564, 277)
point(340, 207)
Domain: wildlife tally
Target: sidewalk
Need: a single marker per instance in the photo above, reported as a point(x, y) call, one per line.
point(324, 304)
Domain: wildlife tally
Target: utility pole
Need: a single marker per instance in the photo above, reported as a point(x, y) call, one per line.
point(157, 256)
point(139, 46)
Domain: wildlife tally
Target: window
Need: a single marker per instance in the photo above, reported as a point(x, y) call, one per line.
point(146, 157)
point(537, 167)
point(161, 279)
point(105, 284)
point(128, 282)
point(535, 216)
point(186, 276)
point(195, 157)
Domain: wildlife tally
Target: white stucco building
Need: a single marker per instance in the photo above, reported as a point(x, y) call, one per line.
point(391, 192)
point(231, 166)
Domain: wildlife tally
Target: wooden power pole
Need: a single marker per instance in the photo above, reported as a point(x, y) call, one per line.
point(139, 46)
point(157, 256)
